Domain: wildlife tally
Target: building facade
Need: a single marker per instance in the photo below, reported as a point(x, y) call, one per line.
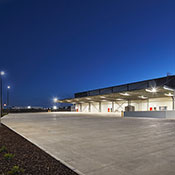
point(149, 95)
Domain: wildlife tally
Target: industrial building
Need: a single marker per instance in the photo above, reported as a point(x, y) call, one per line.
point(149, 95)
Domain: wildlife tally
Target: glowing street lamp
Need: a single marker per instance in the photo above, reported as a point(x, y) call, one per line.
point(55, 100)
point(2, 73)
point(8, 89)
point(55, 107)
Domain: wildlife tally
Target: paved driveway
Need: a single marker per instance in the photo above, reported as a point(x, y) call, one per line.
point(100, 144)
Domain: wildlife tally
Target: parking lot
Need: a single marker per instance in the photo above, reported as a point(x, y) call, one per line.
point(102, 144)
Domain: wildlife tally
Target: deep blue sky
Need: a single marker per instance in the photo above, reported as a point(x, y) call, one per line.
point(55, 48)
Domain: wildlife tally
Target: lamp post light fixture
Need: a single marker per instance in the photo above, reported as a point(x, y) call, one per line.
point(55, 108)
point(8, 101)
point(2, 73)
point(55, 100)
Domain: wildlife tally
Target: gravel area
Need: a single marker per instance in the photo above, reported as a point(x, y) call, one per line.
point(30, 158)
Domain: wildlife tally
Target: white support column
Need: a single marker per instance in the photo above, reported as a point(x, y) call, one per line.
point(100, 106)
point(89, 107)
point(173, 101)
point(113, 105)
point(81, 107)
point(73, 107)
point(148, 104)
point(129, 102)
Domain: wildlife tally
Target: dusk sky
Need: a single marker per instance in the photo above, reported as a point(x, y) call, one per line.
point(53, 48)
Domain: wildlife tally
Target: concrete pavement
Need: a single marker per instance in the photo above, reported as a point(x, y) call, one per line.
point(98, 144)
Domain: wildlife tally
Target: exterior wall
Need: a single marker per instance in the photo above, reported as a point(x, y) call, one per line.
point(161, 102)
point(170, 114)
point(95, 107)
point(105, 106)
point(85, 107)
point(154, 103)
point(120, 106)
point(151, 114)
point(140, 105)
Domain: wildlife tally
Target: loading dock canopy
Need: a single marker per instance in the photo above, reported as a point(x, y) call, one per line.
point(154, 88)
point(144, 94)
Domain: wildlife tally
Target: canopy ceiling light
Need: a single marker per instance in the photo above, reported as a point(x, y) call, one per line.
point(125, 94)
point(153, 90)
point(168, 88)
point(88, 98)
point(143, 97)
point(119, 99)
point(102, 97)
point(169, 94)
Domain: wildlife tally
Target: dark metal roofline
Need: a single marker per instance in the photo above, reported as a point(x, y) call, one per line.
point(128, 83)
point(125, 87)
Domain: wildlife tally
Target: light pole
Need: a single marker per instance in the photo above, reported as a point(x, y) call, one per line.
point(55, 100)
point(1, 75)
point(8, 89)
